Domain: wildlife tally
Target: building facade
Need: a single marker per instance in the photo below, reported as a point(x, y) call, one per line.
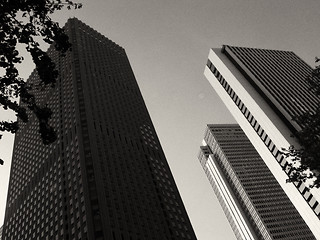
point(252, 199)
point(255, 85)
point(106, 176)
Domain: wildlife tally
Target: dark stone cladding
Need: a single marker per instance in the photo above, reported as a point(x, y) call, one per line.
point(106, 176)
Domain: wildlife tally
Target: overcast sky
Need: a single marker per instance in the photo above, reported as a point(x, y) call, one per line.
point(167, 42)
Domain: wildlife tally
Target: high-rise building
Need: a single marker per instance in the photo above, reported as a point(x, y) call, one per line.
point(264, 90)
point(106, 176)
point(252, 199)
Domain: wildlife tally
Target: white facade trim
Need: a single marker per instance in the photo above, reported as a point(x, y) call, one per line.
point(235, 213)
point(277, 138)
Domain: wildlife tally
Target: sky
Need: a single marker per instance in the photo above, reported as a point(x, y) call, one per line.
point(167, 43)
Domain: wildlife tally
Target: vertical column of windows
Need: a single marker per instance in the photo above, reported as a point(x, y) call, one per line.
point(235, 180)
point(93, 195)
point(244, 110)
point(253, 188)
point(256, 126)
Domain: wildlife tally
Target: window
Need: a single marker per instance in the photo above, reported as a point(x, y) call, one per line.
point(253, 122)
point(260, 131)
point(267, 141)
point(209, 64)
point(257, 127)
point(238, 101)
point(271, 146)
point(232, 93)
point(246, 113)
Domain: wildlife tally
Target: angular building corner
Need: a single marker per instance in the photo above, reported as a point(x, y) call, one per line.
point(256, 206)
point(254, 85)
point(106, 176)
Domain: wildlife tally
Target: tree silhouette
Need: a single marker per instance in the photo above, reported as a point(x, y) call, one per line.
point(26, 22)
point(308, 157)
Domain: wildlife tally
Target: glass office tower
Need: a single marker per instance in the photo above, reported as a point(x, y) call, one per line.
point(252, 199)
point(106, 176)
point(263, 90)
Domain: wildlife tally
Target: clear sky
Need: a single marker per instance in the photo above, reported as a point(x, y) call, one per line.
point(167, 42)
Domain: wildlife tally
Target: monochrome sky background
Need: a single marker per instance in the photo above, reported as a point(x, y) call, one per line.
point(167, 42)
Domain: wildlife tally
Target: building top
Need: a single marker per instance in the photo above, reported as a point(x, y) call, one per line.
point(279, 76)
point(94, 33)
point(106, 176)
point(245, 94)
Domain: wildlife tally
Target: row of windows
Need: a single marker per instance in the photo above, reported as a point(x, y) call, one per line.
point(262, 134)
point(260, 201)
point(109, 155)
point(291, 74)
point(242, 195)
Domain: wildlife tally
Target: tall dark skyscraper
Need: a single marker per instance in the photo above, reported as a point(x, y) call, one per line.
point(252, 199)
point(106, 177)
point(263, 90)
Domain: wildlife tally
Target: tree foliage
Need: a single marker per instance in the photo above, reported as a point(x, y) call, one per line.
point(26, 22)
point(306, 161)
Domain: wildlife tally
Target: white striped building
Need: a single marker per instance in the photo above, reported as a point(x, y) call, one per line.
point(263, 90)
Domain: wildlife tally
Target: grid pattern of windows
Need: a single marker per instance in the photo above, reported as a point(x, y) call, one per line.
point(106, 177)
point(268, 210)
point(275, 79)
point(313, 203)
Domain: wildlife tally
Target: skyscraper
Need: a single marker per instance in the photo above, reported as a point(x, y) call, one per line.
point(252, 199)
point(106, 176)
point(263, 90)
